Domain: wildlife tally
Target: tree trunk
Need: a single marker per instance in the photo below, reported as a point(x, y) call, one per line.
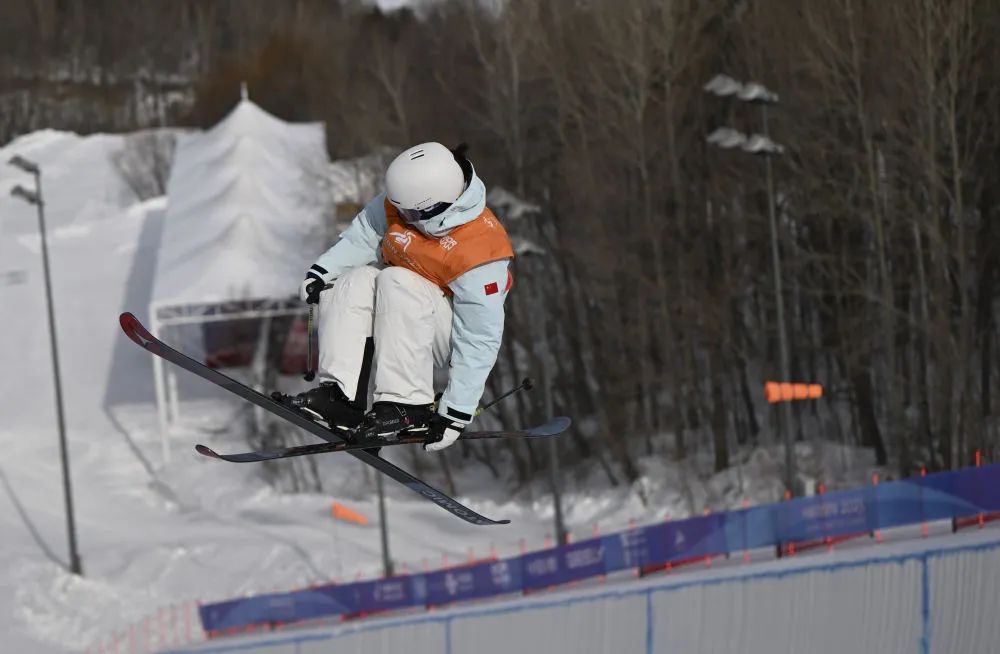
point(871, 436)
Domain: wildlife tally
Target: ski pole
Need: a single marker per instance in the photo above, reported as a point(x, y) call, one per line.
point(526, 384)
point(310, 373)
point(310, 369)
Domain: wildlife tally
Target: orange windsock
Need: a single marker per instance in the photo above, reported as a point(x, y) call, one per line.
point(786, 392)
point(341, 512)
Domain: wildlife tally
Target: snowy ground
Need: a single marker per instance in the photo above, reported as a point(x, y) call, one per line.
point(153, 534)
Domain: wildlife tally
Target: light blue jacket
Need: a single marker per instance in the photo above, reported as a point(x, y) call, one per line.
point(478, 318)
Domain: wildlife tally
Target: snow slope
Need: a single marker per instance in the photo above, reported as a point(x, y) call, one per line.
point(151, 534)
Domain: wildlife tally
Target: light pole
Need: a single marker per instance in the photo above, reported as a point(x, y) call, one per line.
point(35, 198)
point(387, 567)
point(724, 86)
point(554, 475)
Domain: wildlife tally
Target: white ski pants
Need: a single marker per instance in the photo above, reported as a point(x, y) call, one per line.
point(410, 319)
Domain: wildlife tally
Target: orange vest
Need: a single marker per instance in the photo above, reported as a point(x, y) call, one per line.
point(442, 260)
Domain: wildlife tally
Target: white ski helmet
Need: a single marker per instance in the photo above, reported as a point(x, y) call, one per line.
point(423, 181)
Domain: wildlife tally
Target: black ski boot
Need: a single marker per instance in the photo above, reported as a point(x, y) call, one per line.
point(328, 403)
point(387, 420)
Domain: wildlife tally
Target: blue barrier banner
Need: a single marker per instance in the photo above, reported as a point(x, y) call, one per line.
point(627, 549)
point(945, 495)
point(541, 569)
point(585, 559)
point(907, 502)
point(690, 538)
point(813, 518)
point(474, 581)
point(751, 528)
point(276, 607)
point(380, 595)
point(582, 560)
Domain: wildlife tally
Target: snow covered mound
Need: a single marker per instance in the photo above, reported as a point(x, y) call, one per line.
point(241, 217)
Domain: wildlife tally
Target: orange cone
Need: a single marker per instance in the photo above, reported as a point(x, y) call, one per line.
point(341, 512)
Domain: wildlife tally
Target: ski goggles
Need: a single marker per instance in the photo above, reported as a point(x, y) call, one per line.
point(418, 215)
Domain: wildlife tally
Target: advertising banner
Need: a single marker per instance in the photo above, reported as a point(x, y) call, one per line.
point(945, 495)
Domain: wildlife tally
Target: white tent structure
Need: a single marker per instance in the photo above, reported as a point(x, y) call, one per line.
point(240, 228)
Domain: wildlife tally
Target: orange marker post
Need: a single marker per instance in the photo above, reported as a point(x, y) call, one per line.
point(791, 546)
point(979, 462)
point(878, 532)
point(923, 525)
point(596, 534)
point(827, 540)
point(670, 564)
point(745, 504)
point(631, 526)
point(569, 540)
point(708, 557)
point(188, 634)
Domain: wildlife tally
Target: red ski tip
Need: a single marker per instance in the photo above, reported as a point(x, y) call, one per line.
point(135, 331)
point(128, 324)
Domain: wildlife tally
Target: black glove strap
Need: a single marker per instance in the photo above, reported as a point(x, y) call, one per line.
point(314, 288)
point(458, 415)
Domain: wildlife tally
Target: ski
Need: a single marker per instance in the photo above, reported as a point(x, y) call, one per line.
point(552, 428)
point(144, 339)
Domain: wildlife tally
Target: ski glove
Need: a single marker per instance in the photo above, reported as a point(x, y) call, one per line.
point(312, 285)
point(442, 432)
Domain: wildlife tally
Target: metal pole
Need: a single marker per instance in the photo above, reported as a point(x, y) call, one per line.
point(74, 557)
point(159, 385)
point(554, 463)
point(173, 399)
point(786, 407)
point(526, 384)
point(387, 570)
point(310, 373)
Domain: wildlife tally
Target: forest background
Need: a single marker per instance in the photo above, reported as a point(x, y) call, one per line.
point(651, 310)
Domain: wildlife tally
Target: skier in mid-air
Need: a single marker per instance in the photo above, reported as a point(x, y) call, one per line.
point(423, 271)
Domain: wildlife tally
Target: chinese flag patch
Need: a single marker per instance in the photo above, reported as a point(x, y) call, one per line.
point(491, 288)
